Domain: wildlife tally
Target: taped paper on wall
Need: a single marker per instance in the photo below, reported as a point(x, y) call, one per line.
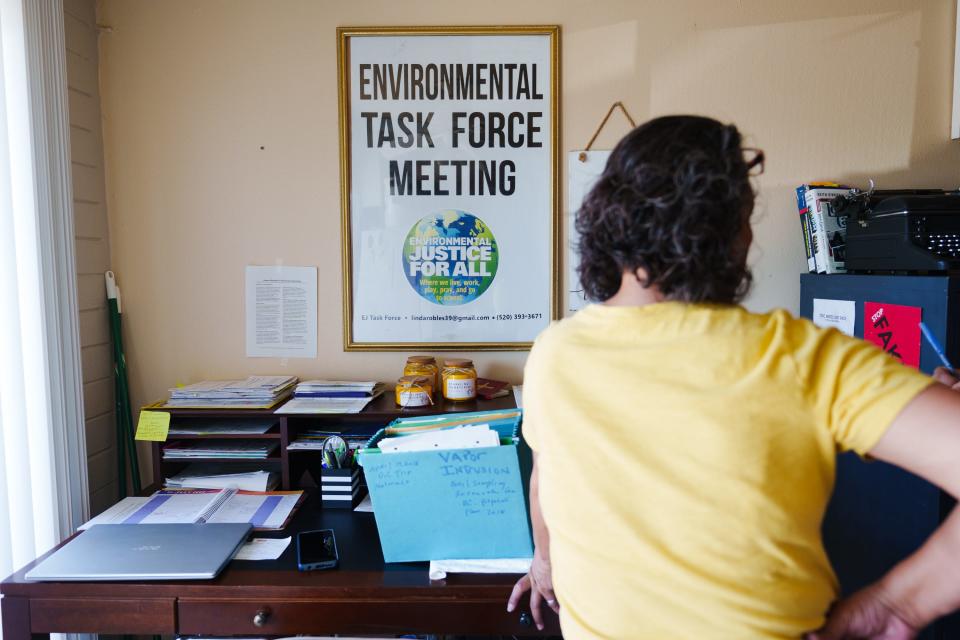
point(841, 314)
point(281, 311)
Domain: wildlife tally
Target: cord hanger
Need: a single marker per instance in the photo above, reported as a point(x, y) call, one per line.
point(583, 154)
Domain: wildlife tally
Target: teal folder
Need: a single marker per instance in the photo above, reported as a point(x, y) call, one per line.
point(450, 504)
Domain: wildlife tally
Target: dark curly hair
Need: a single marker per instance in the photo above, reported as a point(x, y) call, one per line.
point(673, 201)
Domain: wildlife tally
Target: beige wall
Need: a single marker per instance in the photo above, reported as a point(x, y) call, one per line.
point(193, 89)
point(92, 249)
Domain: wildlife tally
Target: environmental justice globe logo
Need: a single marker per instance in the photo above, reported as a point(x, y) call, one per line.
point(450, 257)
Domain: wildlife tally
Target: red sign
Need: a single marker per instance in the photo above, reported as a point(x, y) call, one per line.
point(895, 328)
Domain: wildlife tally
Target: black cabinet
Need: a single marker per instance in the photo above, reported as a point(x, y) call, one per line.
point(879, 514)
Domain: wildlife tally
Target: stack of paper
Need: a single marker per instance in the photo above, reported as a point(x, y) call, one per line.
point(219, 476)
point(332, 396)
point(463, 437)
point(254, 392)
point(440, 568)
point(337, 389)
point(225, 427)
point(252, 449)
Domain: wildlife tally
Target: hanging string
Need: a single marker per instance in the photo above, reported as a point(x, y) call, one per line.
point(583, 154)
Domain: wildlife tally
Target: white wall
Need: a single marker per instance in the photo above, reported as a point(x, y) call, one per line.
point(192, 90)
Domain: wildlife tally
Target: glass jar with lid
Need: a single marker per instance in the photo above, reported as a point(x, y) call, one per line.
point(424, 366)
point(414, 391)
point(459, 380)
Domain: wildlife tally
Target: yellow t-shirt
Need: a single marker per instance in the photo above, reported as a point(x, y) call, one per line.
point(686, 455)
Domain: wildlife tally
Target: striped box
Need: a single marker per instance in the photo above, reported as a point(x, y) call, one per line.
point(340, 488)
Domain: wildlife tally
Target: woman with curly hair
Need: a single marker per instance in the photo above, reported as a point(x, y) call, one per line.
point(684, 447)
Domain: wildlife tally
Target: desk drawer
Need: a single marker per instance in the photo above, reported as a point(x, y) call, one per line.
point(397, 615)
point(146, 616)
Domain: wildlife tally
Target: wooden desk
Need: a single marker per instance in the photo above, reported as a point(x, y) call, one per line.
point(363, 596)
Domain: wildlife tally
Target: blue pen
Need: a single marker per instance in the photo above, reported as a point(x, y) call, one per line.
point(936, 347)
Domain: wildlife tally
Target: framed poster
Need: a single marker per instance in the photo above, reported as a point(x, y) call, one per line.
point(449, 161)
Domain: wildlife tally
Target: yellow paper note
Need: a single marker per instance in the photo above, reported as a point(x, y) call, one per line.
point(153, 425)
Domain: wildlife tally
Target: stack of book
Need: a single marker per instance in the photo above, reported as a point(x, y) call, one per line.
point(332, 396)
point(489, 389)
point(824, 233)
point(256, 392)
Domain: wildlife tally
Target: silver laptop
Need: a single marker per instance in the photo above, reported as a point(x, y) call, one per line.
point(144, 552)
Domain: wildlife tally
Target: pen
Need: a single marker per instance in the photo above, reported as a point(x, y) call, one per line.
point(936, 347)
point(331, 460)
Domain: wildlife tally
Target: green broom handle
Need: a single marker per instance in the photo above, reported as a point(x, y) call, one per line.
point(125, 429)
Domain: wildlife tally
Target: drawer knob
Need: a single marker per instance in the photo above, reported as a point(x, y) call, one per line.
point(260, 617)
point(526, 620)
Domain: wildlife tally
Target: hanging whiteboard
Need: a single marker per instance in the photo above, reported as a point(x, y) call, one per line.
point(581, 176)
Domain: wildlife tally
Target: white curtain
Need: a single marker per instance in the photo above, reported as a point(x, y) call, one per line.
point(43, 484)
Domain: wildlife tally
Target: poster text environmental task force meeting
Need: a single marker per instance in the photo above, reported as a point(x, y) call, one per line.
point(491, 129)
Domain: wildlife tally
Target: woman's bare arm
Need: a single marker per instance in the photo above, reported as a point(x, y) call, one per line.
point(925, 440)
point(538, 581)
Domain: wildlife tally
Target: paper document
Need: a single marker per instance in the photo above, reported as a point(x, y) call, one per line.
point(324, 405)
point(841, 314)
point(162, 507)
point(231, 449)
point(334, 386)
point(263, 549)
point(222, 427)
point(153, 425)
point(221, 476)
point(466, 437)
point(264, 510)
point(254, 392)
point(440, 568)
point(895, 328)
point(281, 310)
point(118, 513)
point(581, 176)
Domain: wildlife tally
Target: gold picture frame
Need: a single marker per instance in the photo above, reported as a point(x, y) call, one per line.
point(353, 341)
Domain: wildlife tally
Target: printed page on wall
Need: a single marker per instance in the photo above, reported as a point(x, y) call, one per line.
point(281, 312)
point(450, 220)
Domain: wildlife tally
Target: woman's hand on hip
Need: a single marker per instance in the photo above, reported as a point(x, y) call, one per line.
point(868, 615)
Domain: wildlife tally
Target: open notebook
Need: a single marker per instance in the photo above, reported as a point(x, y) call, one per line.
point(266, 510)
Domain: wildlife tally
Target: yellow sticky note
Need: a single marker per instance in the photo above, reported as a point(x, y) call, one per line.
point(153, 425)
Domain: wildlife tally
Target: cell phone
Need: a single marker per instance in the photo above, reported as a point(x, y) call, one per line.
point(317, 550)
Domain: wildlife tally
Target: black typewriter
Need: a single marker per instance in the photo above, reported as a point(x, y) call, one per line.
point(903, 231)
